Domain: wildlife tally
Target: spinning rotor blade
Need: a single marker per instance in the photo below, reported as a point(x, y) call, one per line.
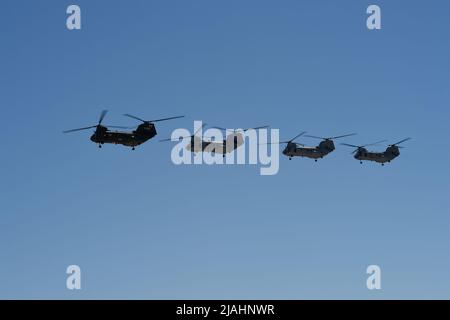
point(170, 139)
point(179, 138)
point(363, 146)
point(331, 138)
point(102, 116)
point(117, 127)
point(220, 128)
point(283, 142)
point(79, 129)
point(351, 145)
point(234, 130)
point(315, 137)
point(165, 119)
point(134, 117)
point(271, 143)
point(297, 136)
point(401, 141)
point(343, 136)
point(372, 144)
point(202, 127)
point(257, 128)
point(150, 121)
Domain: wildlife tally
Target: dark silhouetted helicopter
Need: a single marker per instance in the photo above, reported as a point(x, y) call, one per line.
point(294, 149)
point(392, 151)
point(141, 134)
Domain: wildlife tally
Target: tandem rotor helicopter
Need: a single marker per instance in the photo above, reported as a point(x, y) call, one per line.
point(392, 151)
point(232, 141)
point(143, 132)
point(326, 146)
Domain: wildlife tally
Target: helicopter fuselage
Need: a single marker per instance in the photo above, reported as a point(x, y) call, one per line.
point(294, 150)
point(137, 137)
point(232, 142)
point(381, 157)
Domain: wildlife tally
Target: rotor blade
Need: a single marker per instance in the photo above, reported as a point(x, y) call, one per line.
point(343, 136)
point(350, 145)
point(165, 119)
point(401, 141)
point(315, 137)
point(134, 117)
point(170, 139)
point(102, 116)
point(117, 127)
point(234, 130)
point(202, 127)
point(79, 129)
point(257, 128)
point(220, 128)
point(270, 143)
point(214, 139)
point(372, 144)
point(300, 134)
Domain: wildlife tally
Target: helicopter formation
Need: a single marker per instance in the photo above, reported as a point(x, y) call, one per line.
point(147, 130)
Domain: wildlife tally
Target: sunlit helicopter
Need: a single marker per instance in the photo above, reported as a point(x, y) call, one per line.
point(141, 134)
point(295, 149)
point(392, 151)
point(232, 141)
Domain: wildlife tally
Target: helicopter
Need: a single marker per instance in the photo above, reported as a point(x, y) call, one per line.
point(392, 151)
point(294, 149)
point(196, 144)
point(232, 142)
point(141, 134)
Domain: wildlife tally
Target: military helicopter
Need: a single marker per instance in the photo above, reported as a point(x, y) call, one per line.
point(196, 144)
point(233, 140)
point(143, 132)
point(392, 151)
point(294, 149)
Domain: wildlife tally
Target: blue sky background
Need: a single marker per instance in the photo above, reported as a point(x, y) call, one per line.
point(140, 227)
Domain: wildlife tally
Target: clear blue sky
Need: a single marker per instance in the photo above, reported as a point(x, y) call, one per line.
point(140, 227)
